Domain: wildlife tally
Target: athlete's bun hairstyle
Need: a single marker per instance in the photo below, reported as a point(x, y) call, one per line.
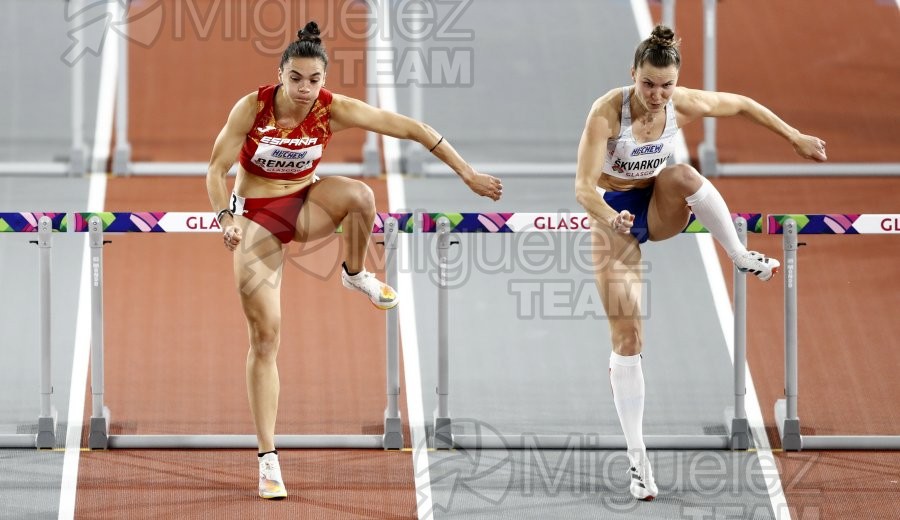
point(307, 45)
point(659, 50)
point(310, 33)
point(663, 36)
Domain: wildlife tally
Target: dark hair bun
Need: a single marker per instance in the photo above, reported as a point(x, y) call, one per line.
point(310, 33)
point(663, 36)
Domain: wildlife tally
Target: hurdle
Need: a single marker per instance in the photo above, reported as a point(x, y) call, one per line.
point(44, 224)
point(100, 225)
point(735, 418)
point(786, 418)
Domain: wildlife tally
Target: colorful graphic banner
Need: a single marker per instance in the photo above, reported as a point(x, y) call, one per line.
point(544, 222)
point(150, 222)
point(205, 222)
point(838, 224)
point(28, 222)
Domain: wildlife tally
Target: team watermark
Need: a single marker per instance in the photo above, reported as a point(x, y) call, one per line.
point(377, 42)
point(548, 276)
point(692, 484)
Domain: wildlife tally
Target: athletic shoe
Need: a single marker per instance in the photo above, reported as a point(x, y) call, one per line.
point(380, 294)
point(643, 486)
point(270, 483)
point(758, 264)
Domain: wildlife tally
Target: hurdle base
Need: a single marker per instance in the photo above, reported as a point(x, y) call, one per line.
point(46, 436)
point(788, 429)
point(393, 433)
point(708, 158)
point(738, 430)
point(443, 433)
point(791, 440)
point(98, 439)
point(17, 440)
point(530, 441)
point(78, 162)
point(244, 442)
point(371, 160)
point(121, 159)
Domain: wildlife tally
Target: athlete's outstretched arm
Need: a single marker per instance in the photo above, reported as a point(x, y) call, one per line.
point(347, 112)
point(225, 152)
point(597, 130)
point(692, 104)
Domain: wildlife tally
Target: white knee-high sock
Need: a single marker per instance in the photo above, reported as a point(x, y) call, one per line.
point(710, 209)
point(627, 380)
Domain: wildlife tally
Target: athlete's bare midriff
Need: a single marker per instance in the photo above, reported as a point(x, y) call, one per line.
point(253, 186)
point(610, 183)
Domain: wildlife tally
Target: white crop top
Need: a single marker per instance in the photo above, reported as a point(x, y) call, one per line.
point(627, 159)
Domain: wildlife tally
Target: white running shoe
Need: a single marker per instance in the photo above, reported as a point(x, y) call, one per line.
point(758, 264)
point(271, 484)
point(643, 486)
point(380, 294)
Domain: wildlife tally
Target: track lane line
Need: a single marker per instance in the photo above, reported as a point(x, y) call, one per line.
point(82, 349)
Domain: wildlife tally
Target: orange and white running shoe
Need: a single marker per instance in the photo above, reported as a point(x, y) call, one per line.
point(271, 484)
point(380, 294)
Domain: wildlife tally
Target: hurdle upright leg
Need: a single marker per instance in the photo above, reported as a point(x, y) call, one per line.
point(443, 434)
point(736, 418)
point(99, 434)
point(46, 436)
point(393, 428)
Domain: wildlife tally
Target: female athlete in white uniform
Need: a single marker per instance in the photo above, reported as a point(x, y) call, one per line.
point(281, 132)
point(632, 196)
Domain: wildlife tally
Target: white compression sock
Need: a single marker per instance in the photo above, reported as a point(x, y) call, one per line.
point(710, 209)
point(627, 380)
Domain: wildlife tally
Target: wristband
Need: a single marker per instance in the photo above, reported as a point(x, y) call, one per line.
point(225, 211)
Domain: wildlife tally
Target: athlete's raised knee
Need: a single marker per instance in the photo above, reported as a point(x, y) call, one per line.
point(682, 175)
point(360, 198)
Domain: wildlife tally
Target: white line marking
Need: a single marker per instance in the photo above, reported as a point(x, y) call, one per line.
point(726, 317)
point(385, 80)
point(106, 98)
point(96, 194)
point(411, 367)
point(387, 99)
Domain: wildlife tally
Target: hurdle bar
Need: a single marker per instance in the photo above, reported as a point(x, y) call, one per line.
point(44, 224)
point(786, 417)
point(102, 223)
point(738, 436)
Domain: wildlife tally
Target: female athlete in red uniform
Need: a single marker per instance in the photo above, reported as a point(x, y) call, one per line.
point(280, 132)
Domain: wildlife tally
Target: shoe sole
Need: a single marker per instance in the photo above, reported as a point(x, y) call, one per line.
point(383, 307)
point(274, 497)
point(386, 307)
point(774, 272)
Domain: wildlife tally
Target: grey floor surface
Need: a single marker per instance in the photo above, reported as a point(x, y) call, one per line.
point(29, 479)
